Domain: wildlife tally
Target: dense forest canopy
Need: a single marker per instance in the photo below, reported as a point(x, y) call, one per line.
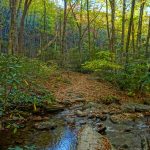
point(41, 27)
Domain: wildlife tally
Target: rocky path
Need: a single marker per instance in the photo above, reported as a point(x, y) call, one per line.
point(88, 115)
point(96, 108)
point(71, 86)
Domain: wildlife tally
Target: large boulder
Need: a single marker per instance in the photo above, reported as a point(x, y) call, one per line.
point(89, 139)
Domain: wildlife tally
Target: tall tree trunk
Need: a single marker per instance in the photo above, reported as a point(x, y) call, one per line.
point(140, 22)
point(112, 4)
point(1, 39)
point(123, 25)
point(147, 53)
point(19, 8)
point(80, 27)
point(27, 4)
point(107, 21)
point(88, 25)
point(133, 39)
point(64, 28)
point(12, 31)
point(60, 32)
point(43, 33)
point(129, 30)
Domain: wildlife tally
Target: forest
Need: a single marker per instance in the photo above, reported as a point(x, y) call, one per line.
point(74, 74)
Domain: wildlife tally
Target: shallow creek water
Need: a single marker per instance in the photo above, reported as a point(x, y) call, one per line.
point(127, 135)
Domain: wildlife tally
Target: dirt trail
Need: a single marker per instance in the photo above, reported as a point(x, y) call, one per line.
point(70, 85)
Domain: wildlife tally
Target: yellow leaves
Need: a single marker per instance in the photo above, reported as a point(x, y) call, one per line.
point(34, 107)
point(25, 81)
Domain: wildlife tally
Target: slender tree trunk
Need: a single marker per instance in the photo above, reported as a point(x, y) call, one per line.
point(147, 53)
point(12, 31)
point(107, 21)
point(88, 25)
point(18, 10)
point(140, 22)
point(64, 27)
point(80, 27)
point(129, 31)
point(60, 32)
point(123, 25)
point(112, 4)
point(27, 4)
point(133, 39)
point(43, 33)
point(1, 39)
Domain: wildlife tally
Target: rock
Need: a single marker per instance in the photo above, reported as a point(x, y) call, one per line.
point(70, 121)
point(79, 113)
point(134, 107)
point(88, 139)
point(101, 128)
point(122, 147)
point(66, 102)
point(45, 125)
point(147, 101)
point(128, 108)
point(79, 100)
point(82, 122)
point(1, 113)
point(125, 117)
point(19, 141)
point(142, 108)
point(45, 118)
point(37, 118)
point(101, 116)
point(1, 125)
point(53, 108)
point(145, 144)
point(110, 100)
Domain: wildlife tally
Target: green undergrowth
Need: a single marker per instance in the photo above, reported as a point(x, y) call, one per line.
point(20, 81)
point(133, 77)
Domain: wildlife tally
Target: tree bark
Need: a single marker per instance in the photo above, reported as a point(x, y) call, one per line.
point(88, 25)
point(27, 4)
point(123, 25)
point(140, 22)
point(1, 39)
point(133, 39)
point(12, 30)
point(64, 28)
point(112, 4)
point(129, 30)
point(147, 53)
point(107, 22)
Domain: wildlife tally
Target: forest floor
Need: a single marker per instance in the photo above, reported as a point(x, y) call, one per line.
point(68, 85)
point(85, 106)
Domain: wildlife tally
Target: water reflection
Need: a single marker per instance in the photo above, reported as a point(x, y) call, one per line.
point(67, 141)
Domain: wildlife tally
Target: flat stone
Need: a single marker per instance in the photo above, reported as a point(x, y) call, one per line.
point(147, 101)
point(79, 113)
point(135, 108)
point(53, 108)
point(89, 139)
point(37, 118)
point(45, 125)
point(125, 117)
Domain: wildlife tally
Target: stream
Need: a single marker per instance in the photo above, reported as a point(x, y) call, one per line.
point(61, 130)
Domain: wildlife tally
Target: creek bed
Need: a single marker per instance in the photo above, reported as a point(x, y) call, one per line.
point(124, 135)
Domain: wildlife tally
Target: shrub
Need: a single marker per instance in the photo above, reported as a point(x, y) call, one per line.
point(18, 80)
point(133, 77)
point(104, 61)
